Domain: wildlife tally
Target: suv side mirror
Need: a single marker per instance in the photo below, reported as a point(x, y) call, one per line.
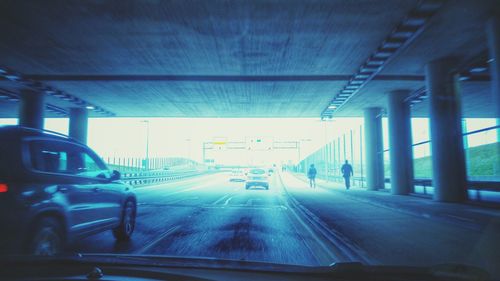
point(115, 175)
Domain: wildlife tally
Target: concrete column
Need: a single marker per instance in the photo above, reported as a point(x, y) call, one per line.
point(493, 33)
point(400, 143)
point(31, 109)
point(374, 148)
point(448, 161)
point(78, 124)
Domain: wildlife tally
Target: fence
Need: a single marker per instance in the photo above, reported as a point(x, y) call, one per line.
point(481, 148)
point(136, 164)
point(150, 178)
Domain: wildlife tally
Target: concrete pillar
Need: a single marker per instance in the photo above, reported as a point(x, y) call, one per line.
point(78, 124)
point(400, 143)
point(493, 33)
point(448, 161)
point(374, 148)
point(31, 109)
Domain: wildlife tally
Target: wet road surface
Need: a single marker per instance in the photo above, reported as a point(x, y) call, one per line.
point(209, 216)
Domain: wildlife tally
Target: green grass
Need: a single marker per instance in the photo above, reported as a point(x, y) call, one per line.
point(482, 161)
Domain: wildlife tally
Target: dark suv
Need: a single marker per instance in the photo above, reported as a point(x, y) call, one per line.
point(54, 190)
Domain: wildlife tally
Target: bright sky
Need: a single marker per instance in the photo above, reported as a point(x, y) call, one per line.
point(184, 137)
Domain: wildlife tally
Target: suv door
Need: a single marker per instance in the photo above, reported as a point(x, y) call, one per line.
point(109, 194)
point(59, 163)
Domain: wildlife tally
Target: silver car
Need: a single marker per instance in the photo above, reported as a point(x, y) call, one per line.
point(257, 177)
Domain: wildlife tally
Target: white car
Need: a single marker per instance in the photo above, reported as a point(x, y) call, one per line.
point(237, 176)
point(257, 177)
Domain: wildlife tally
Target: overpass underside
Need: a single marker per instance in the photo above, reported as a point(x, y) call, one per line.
point(326, 59)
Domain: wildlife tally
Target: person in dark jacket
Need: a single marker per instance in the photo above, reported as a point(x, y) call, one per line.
point(347, 172)
point(311, 174)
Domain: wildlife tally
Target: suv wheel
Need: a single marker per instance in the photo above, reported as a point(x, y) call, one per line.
point(124, 231)
point(47, 239)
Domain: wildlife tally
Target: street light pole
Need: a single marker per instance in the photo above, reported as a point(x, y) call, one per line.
point(188, 142)
point(204, 161)
point(147, 143)
point(298, 149)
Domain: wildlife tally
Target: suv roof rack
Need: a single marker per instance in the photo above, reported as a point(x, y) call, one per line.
point(48, 132)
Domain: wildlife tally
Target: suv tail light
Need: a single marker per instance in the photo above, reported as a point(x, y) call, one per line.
point(4, 187)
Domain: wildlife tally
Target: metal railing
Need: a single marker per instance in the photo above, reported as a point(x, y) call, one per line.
point(138, 165)
point(487, 179)
point(425, 183)
point(151, 178)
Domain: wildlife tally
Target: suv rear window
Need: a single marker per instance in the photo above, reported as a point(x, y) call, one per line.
point(62, 157)
point(257, 171)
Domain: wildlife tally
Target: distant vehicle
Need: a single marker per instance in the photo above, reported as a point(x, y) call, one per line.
point(54, 190)
point(257, 177)
point(270, 171)
point(237, 176)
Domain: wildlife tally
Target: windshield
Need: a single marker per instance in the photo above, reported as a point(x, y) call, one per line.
point(257, 171)
point(291, 132)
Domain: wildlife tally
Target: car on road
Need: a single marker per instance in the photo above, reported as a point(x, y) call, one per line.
point(55, 190)
point(237, 175)
point(257, 177)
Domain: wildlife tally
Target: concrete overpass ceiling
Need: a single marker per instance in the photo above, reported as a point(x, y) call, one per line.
point(476, 102)
point(374, 94)
point(458, 29)
point(476, 99)
point(58, 39)
point(207, 99)
point(194, 37)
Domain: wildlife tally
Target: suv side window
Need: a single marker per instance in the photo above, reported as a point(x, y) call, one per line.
point(48, 156)
point(92, 167)
point(64, 158)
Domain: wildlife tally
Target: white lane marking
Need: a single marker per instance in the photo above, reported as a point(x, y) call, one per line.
point(459, 218)
point(220, 199)
point(157, 240)
point(243, 207)
point(180, 200)
point(190, 189)
point(168, 184)
point(228, 200)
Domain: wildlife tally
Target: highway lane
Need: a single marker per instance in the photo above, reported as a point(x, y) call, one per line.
point(385, 235)
point(209, 216)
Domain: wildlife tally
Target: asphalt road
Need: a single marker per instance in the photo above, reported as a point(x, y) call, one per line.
point(209, 216)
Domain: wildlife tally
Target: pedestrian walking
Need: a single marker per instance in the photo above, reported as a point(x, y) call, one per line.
point(347, 172)
point(311, 174)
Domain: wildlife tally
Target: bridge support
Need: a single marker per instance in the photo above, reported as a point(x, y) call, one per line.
point(400, 143)
point(374, 148)
point(78, 124)
point(31, 109)
point(493, 33)
point(448, 161)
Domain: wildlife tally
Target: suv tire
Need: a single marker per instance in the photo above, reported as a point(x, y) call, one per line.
point(124, 231)
point(47, 238)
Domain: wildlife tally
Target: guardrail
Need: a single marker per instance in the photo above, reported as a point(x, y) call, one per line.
point(477, 185)
point(148, 178)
